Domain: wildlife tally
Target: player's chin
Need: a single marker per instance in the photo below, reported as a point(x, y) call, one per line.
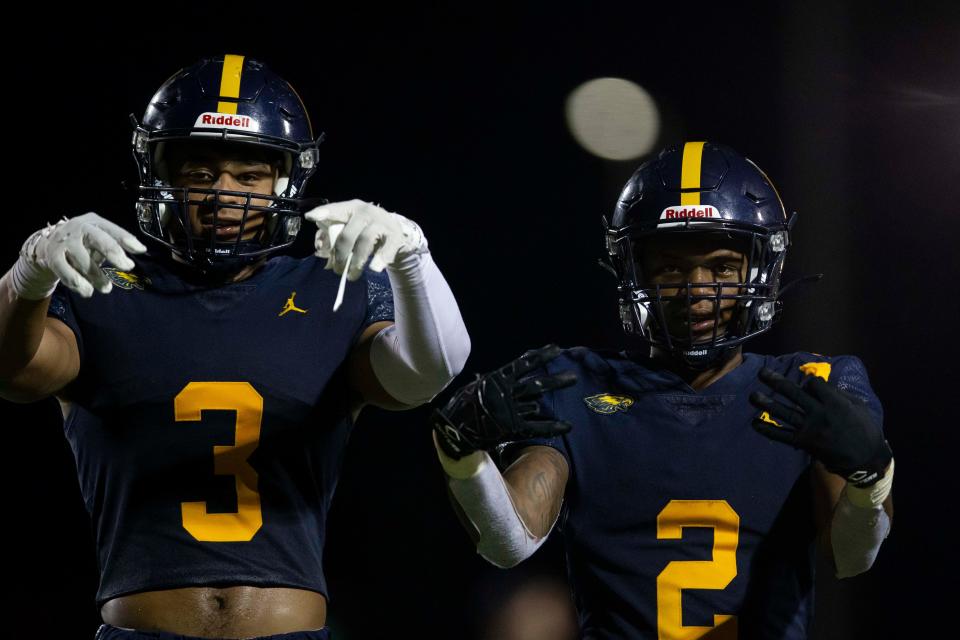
point(699, 333)
point(703, 338)
point(224, 231)
point(229, 234)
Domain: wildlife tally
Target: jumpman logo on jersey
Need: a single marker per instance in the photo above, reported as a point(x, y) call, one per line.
point(290, 306)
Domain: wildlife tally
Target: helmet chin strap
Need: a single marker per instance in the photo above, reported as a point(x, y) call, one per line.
point(214, 273)
point(712, 357)
point(221, 272)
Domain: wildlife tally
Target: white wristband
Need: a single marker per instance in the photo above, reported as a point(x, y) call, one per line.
point(873, 495)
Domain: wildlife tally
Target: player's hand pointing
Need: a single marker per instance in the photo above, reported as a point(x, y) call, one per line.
point(71, 252)
point(837, 429)
point(351, 232)
point(500, 407)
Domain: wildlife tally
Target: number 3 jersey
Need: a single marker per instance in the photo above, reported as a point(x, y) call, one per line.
point(209, 424)
point(680, 520)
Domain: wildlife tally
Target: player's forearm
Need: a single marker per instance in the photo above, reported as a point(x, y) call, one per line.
point(861, 521)
point(21, 327)
point(428, 344)
point(24, 297)
point(71, 252)
point(487, 510)
point(536, 482)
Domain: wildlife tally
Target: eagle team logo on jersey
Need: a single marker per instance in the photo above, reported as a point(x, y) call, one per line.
point(607, 403)
point(125, 279)
point(290, 306)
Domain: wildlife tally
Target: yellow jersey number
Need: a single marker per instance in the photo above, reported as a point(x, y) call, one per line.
point(227, 460)
point(697, 574)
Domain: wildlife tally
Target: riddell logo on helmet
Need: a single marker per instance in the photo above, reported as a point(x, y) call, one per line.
point(682, 213)
point(227, 121)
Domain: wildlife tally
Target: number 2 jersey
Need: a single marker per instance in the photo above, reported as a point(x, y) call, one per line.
point(680, 520)
point(209, 424)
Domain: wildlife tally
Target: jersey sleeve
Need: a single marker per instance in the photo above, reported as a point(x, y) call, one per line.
point(61, 308)
point(850, 376)
point(379, 298)
point(379, 302)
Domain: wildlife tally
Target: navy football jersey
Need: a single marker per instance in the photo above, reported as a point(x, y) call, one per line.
point(209, 424)
point(680, 520)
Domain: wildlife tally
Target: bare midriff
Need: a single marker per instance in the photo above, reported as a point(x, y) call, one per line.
point(219, 612)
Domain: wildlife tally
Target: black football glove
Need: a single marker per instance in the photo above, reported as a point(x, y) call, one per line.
point(499, 407)
point(834, 427)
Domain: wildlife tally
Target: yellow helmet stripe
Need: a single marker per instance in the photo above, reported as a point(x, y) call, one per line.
point(230, 83)
point(690, 172)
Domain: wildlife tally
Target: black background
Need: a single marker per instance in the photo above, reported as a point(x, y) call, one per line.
point(454, 117)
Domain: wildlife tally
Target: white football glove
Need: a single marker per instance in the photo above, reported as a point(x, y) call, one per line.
point(71, 252)
point(354, 231)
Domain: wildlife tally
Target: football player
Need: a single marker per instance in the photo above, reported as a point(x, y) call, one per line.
point(689, 480)
point(209, 397)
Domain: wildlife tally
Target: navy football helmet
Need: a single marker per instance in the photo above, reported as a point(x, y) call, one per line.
point(238, 103)
point(699, 188)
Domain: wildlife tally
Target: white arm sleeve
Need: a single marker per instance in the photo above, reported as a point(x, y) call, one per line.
point(427, 347)
point(481, 492)
point(859, 526)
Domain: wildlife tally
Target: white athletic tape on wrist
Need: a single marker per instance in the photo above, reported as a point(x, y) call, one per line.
point(32, 282)
point(482, 493)
point(30, 279)
point(873, 495)
point(464, 468)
